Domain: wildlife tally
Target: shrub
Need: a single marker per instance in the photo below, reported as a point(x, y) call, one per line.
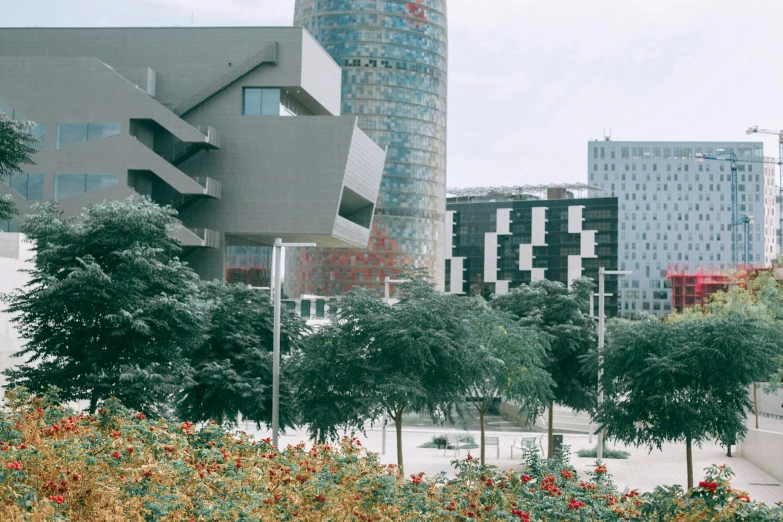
point(608, 453)
point(118, 465)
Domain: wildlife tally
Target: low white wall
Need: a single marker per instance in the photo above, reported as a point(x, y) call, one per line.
point(14, 255)
point(771, 403)
point(763, 449)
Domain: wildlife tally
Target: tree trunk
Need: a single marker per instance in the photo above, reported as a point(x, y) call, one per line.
point(689, 458)
point(93, 402)
point(221, 416)
point(756, 405)
point(481, 420)
point(550, 436)
point(398, 426)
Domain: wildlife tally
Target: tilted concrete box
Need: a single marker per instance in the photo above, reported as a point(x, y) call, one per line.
point(194, 118)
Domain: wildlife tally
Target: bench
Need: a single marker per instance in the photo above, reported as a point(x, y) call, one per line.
point(453, 443)
point(492, 441)
point(522, 444)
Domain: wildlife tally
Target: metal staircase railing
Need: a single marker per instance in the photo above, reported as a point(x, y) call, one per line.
point(267, 55)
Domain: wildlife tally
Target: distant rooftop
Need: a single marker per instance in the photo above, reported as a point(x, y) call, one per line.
point(537, 191)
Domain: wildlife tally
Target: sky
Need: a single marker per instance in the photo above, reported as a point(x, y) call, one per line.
point(531, 82)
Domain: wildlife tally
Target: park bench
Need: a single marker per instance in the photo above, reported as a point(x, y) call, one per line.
point(453, 443)
point(522, 444)
point(492, 441)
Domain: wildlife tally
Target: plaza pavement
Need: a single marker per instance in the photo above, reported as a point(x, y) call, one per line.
point(642, 471)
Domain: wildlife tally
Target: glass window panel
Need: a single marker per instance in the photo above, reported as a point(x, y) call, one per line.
point(252, 102)
point(68, 185)
point(35, 185)
point(305, 308)
point(96, 131)
point(69, 134)
point(39, 132)
point(99, 181)
point(270, 102)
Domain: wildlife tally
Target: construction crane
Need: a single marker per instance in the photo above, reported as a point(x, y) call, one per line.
point(745, 220)
point(779, 134)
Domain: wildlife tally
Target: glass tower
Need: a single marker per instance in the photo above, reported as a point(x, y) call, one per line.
point(394, 56)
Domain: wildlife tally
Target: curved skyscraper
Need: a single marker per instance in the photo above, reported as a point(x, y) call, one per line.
point(394, 57)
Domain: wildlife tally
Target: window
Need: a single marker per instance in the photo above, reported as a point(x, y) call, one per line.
point(72, 185)
point(70, 134)
point(260, 101)
point(28, 186)
point(38, 131)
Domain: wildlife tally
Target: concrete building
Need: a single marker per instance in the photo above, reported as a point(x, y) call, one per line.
point(503, 237)
point(394, 59)
point(238, 128)
point(675, 211)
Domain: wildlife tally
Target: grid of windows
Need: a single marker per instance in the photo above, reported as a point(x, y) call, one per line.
point(676, 210)
point(393, 55)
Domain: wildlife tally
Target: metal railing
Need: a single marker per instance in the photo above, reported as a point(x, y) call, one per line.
point(267, 55)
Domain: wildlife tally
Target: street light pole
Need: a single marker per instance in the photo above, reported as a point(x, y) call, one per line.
point(387, 299)
point(602, 273)
point(278, 254)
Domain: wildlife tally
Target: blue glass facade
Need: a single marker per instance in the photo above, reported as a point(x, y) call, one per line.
point(394, 58)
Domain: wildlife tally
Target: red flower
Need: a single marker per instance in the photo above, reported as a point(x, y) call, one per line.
point(525, 479)
point(470, 457)
point(14, 465)
point(140, 416)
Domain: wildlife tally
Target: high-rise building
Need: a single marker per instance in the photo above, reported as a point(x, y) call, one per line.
point(394, 56)
point(675, 211)
point(502, 237)
point(239, 129)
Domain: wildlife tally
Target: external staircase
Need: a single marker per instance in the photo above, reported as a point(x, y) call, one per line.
point(267, 55)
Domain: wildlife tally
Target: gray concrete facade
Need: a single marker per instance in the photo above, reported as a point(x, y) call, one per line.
point(675, 211)
point(178, 97)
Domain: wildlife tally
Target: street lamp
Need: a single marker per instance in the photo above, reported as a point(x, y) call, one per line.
point(387, 299)
point(278, 251)
point(602, 273)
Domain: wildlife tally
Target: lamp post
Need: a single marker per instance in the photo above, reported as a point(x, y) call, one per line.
point(278, 251)
point(386, 299)
point(602, 273)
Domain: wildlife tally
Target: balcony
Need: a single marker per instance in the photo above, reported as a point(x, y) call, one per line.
point(197, 237)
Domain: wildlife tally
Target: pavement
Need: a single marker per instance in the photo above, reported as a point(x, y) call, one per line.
point(642, 471)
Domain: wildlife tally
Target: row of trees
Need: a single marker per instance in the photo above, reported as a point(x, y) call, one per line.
point(111, 311)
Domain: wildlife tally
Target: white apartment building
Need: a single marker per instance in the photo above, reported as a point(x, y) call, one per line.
point(675, 210)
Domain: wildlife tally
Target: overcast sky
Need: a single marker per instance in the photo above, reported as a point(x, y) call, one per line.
point(532, 81)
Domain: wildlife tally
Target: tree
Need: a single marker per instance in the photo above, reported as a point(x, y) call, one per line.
point(15, 151)
point(505, 363)
point(407, 357)
point(109, 309)
point(562, 315)
point(232, 368)
point(681, 381)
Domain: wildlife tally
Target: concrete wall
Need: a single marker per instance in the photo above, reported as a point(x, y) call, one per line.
point(763, 448)
point(14, 255)
point(770, 403)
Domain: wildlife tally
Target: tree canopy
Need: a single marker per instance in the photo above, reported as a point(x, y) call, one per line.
point(685, 380)
point(109, 310)
point(506, 362)
point(232, 368)
point(407, 357)
point(15, 151)
point(562, 314)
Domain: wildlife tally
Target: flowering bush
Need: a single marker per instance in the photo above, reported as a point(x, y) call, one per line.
point(119, 465)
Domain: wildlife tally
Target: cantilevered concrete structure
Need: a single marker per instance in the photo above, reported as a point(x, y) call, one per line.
point(237, 128)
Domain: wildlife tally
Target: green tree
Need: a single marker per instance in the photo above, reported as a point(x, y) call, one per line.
point(109, 309)
point(407, 357)
point(681, 381)
point(506, 363)
point(15, 151)
point(562, 314)
point(232, 368)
